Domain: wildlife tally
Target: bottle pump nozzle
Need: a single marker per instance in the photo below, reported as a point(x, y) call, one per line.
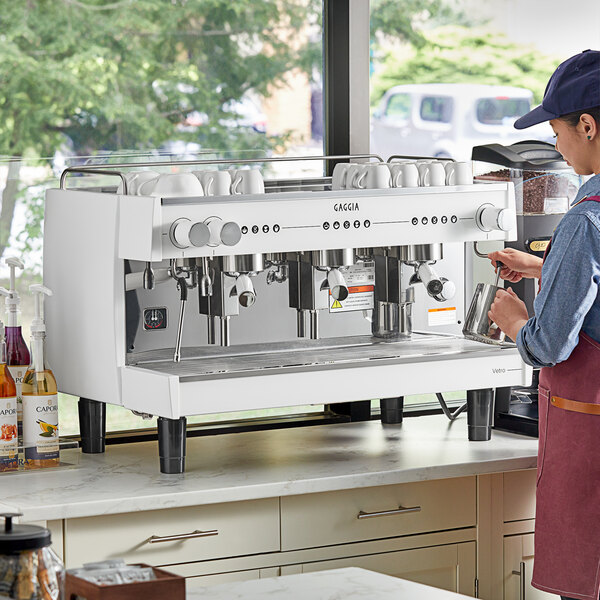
point(39, 291)
point(12, 298)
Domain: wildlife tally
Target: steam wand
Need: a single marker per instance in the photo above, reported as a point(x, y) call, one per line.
point(183, 294)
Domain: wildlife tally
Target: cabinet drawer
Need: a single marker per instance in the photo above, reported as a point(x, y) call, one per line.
point(519, 495)
point(242, 528)
point(333, 517)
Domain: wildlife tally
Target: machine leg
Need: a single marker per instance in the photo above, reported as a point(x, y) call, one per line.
point(391, 410)
point(480, 409)
point(171, 444)
point(92, 425)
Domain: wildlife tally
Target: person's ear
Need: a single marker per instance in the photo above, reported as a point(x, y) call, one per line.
point(589, 126)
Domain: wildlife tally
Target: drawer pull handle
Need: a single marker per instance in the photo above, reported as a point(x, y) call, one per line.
point(401, 510)
point(155, 539)
point(522, 580)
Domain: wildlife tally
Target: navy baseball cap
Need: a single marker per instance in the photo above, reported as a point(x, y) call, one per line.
point(574, 86)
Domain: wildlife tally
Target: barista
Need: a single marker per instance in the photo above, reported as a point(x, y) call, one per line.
point(563, 337)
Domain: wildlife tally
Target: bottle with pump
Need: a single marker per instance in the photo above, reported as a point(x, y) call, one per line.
point(17, 354)
point(40, 396)
point(9, 459)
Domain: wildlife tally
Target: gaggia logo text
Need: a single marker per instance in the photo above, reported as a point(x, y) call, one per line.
point(346, 207)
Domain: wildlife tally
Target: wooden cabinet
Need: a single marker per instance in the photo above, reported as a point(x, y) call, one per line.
point(518, 567)
point(339, 517)
point(450, 567)
point(175, 535)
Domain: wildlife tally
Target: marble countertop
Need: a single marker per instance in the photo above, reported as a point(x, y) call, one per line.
point(262, 464)
point(349, 584)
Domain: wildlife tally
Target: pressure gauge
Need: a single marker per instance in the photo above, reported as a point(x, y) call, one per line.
point(155, 318)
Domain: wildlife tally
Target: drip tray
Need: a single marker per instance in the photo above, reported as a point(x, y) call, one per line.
point(216, 360)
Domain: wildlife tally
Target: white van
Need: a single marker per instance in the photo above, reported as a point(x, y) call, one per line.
point(448, 119)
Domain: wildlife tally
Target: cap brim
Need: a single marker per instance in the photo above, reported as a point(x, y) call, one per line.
point(538, 115)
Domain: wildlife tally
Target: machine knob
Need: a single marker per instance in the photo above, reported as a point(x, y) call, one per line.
point(501, 219)
point(228, 234)
point(231, 234)
point(448, 290)
point(184, 234)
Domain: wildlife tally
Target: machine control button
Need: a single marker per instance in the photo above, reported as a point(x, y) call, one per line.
point(199, 235)
point(244, 230)
point(276, 228)
point(453, 219)
point(367, 223)
point(254, 228)
point(415, 221)
point(444, 219)
point(424, 220)
point(265, 229)
point(434, 220)
point(231, 234)
point(490, 218)
point(336, 225)
point(326, 226)
point(356, 224)
point(346, 224)
point(184, 233)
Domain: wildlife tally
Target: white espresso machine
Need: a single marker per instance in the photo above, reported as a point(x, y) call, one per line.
point(176, 306)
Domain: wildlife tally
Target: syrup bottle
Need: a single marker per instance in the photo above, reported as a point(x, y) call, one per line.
point(40, 396)
point(9, 459)
point(18, 358)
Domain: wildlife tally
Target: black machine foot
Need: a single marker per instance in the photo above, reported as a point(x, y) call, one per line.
point(171, 444)
point(480, 409)
point(392, 410)
point(92, 426)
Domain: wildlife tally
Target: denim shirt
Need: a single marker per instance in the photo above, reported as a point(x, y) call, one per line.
point(569, 299)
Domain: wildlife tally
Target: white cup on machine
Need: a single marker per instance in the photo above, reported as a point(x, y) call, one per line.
point(355, 176)
point(247, 181)
point(459, 173)
point(338, 177)
point(135, 179)
point(432, 174)
point(172, 185)
point(215, 183)
point(404, 174)
point(377, 176)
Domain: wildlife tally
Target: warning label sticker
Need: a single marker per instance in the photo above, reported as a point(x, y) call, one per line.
point(442, 316)
point(360, 297)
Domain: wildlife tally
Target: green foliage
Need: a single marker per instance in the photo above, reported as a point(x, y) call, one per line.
point(454, 54)
point(394, 20)
point(108, 75)
point(124, 74)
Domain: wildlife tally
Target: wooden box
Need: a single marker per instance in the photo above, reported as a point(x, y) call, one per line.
point(166, 585)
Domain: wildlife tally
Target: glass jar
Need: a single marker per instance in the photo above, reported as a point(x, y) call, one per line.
point(29, 568)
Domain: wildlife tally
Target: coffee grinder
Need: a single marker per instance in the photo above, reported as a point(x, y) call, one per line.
point(545, 186)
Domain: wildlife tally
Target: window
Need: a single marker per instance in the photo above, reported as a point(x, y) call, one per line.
point(398, 107)
point(234, 79)
point(438, 109)
point(494, 111)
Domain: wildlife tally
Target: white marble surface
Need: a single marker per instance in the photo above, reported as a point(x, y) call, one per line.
point(263, 464)
point(338, 584)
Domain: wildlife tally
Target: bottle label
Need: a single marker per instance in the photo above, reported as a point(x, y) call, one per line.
point(8, 430)
point(40, 427)
point(17, 372)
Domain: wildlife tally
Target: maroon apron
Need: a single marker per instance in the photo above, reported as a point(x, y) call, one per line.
point(567, 520)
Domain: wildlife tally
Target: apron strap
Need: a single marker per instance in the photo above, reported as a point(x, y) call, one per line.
point(587, 408)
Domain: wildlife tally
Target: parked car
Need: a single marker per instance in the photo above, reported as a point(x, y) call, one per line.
point(448, 119)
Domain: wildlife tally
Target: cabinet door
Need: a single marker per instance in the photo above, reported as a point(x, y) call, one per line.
point(518, 563)
point(193, 583)
point(450, 567)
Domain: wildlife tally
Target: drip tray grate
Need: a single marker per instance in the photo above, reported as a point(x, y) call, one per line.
point(303, 354)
